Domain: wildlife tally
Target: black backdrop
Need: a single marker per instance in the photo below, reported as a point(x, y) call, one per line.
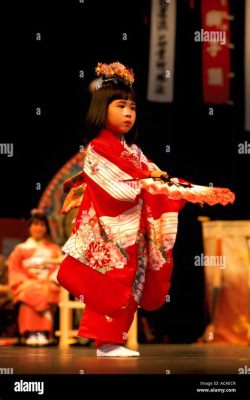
point(204, 149)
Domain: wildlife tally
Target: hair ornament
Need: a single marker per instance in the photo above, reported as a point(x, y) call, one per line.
point(113, 73)
point(37, 212)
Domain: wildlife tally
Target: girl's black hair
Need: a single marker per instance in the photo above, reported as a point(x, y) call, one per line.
point(39, 216)
point(97, 114)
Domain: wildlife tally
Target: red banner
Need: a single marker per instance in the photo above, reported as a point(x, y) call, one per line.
point(215, 37)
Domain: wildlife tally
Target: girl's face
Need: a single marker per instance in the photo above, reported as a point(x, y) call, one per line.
point(38, 230)
point(121, 116)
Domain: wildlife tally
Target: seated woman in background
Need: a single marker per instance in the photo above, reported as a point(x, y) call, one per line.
point(32, 269)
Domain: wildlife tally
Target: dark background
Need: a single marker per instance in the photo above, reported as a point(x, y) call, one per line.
point(204, 149)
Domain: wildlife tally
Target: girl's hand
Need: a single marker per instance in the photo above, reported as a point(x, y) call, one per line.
point(157, 174)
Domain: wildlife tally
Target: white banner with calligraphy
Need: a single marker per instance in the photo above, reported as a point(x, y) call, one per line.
point(162, 51)
point(247, 65)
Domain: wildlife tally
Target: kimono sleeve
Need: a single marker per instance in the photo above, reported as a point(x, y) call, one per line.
point(191, 193)
point(16, 273)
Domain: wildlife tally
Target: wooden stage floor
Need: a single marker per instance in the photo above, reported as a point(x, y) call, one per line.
point(154, 359)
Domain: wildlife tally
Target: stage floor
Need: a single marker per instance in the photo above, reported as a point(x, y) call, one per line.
point(154, 359)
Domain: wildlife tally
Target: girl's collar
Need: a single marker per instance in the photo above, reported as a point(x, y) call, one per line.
point(106, 134)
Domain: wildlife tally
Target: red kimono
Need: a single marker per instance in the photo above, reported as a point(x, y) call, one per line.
point(33, 281)
point(120, 250)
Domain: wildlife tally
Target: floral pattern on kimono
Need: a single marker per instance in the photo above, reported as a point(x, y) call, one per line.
point(139, 280)
point(100, 243)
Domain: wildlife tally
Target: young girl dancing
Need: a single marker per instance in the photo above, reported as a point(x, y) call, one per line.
point(119, 255)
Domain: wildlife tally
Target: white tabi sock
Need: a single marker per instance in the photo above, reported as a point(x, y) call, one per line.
point(114, 350)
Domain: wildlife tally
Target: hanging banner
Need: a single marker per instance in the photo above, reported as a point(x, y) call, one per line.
point(162, 51)
point(215, 38)
point(247, 65)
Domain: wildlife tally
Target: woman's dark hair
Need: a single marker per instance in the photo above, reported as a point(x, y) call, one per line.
point(39, 216)
point(97, 114)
